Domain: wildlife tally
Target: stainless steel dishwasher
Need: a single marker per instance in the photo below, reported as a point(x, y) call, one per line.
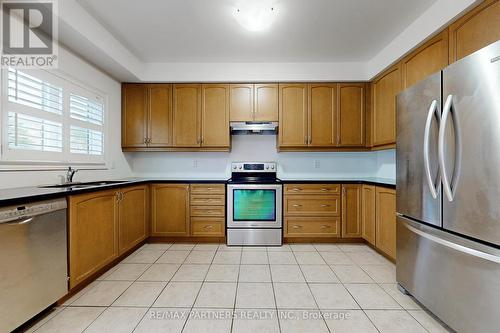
point(33, 260)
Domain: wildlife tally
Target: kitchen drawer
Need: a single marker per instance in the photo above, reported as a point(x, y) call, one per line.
point(312, 205)
point(312, 189)
point(208, 189)
point(207, 211)
point(312, 227)
point(208, 200)
point(207, 226)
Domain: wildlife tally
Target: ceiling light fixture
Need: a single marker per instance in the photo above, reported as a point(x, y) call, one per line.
point(255, 15)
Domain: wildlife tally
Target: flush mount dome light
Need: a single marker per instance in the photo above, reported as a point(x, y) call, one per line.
point(255, 15)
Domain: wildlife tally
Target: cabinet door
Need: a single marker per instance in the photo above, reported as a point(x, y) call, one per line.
point(187, 114)
point(385, 233)
point(160, 115)
point(475, 30)
point(351, 114)
point(134, 115)
point(170, 209)
point(133, 215)
point(293, 115)
point(215, 115)
point(93, 233)
point(241, 99)
point(426, 60)
point(351, 211)
point(322, 115)
point(266, 102)
point(368, 213)
point(385, 89)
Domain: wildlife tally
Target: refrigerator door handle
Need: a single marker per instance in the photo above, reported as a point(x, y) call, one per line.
point(449, 188)
point(433, 187)
point(455, 246)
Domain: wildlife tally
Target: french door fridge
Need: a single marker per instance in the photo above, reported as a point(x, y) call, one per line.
point(448, 192)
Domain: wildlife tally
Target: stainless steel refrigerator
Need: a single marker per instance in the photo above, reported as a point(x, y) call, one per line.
point(448, 192)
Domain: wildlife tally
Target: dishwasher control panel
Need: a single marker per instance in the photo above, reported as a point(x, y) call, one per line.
point(15, 212)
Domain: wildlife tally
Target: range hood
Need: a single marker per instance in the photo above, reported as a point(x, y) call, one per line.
point(253, 127)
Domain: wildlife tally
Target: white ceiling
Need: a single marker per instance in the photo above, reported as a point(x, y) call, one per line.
point(305, 30)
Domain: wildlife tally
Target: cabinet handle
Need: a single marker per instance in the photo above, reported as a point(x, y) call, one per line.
point(324, 226)
point(145, 140)
point(325, 189)
point(325, 205)
point(208, 227)
point(296, 226)
point(310, 139)
point(305, 140)
point(296, 189)
point(296, 205)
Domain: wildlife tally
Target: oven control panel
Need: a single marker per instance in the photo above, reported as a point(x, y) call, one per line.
point(253, 167)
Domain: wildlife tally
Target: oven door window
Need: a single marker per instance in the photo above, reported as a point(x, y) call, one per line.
point(254, 205)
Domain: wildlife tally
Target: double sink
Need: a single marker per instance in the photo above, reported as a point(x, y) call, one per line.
point(77, 185)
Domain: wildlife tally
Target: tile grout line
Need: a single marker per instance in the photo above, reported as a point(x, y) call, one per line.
point(274, 292)
point(236, 292)
point(309, 287)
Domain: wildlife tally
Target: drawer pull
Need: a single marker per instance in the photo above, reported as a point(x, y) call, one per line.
point(296, 226)
point(325, 189)
point(325, 205)
point(296, 189)
point(208, 226)
point(324, 226)
point(296, 205)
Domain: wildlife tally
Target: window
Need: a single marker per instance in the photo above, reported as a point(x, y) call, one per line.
point(49, 119)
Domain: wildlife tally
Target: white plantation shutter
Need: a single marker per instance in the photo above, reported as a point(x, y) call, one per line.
point(46, 118)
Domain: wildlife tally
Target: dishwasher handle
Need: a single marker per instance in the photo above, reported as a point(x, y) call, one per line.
point(20, 221)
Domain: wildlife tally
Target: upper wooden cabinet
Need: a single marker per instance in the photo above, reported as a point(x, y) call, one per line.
point(147, 115)
point(385, 234)
point(265, 102)
point(160, 115)
point(293, 114)
point(351, 114)
point(93, 233)
point(429, 58)
point(133, 217)
point(134, 115)
point(170, 210)
point(186, 115)
point(351, 211)
point(254, 102)
point(322, 115)
point(215, 115)
point(384, 90)
point(368, 213)
point(475, 30)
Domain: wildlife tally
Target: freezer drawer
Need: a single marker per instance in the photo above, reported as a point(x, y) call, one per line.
point(457, 279)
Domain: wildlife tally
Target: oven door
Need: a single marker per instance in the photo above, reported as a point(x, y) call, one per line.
point(254, 206)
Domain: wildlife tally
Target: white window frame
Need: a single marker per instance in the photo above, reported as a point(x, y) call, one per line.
point(35, 160)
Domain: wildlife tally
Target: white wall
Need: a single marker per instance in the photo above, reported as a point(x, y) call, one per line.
point(386, 164)
point(119, 166)
point(254, 148)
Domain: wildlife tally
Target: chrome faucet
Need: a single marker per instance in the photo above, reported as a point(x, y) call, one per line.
point(70, 174)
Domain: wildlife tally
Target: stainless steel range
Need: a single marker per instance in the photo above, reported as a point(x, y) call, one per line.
point(254, 205)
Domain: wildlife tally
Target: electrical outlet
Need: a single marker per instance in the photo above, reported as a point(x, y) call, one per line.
point(316, 164)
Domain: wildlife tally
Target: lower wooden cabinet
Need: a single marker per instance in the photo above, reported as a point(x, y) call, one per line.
point(93, 233)
point(133, 217)
point(312, 210)
point(368, 213)
point(385, 201)
point(170, 210)
point(208, 210)
point(351, 211)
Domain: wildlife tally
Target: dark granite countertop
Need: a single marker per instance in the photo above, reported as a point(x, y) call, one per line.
point(22, 195)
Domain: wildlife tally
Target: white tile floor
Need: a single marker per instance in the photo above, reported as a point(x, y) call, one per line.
point(214, 288)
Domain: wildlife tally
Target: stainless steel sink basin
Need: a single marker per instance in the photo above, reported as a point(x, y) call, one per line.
point(84, 184)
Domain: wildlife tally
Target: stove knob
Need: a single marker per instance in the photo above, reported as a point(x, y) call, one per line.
point(267, 167)
point(235, 167)
point(272, 167)
point(240, 167)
